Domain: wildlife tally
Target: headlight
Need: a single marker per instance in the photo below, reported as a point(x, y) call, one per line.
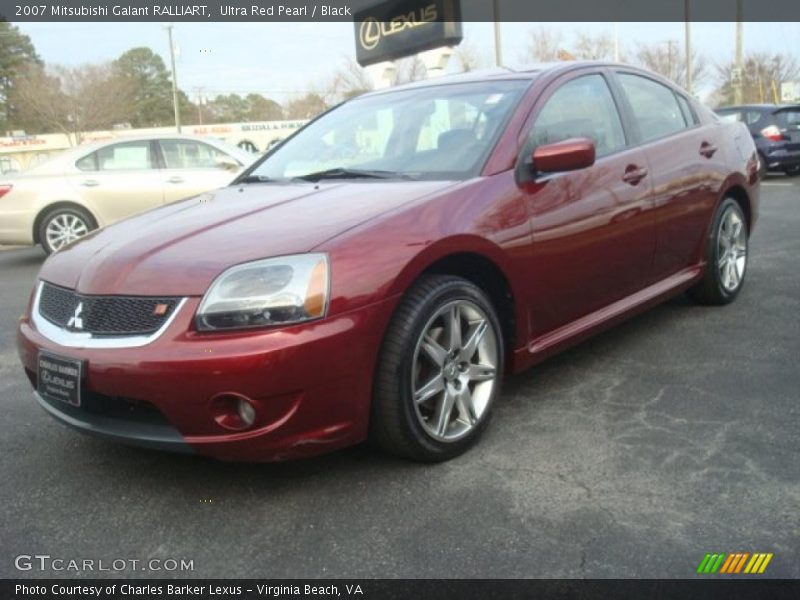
point(274, 291)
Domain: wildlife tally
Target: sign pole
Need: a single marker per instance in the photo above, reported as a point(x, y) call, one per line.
point(498, 36)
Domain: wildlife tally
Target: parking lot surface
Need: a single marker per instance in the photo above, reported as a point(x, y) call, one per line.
point(632, 455)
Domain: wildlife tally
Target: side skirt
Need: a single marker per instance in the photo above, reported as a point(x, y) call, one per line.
point(572, 333)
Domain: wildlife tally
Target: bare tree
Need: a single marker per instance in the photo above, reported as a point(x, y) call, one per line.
point(348, 81)
point(469, 58)
point(669, 60)
point(593, 47)
point(408, 70)
point(74, 100)
point(544, 45)
point(761, 78)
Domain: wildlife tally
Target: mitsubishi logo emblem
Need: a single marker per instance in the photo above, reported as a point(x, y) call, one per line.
point(75, 321)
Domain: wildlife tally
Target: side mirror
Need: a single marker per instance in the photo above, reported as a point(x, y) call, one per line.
point(227, 163)
point(569, 155)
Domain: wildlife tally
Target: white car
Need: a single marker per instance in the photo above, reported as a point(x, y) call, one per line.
point(92, 186)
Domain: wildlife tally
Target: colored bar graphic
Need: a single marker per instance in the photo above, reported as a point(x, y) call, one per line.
point(755, 563)
point(701, 568)
point(745, 556)
point(718, 563)
point(765, 563)
point(734, 563)
point(727, 564)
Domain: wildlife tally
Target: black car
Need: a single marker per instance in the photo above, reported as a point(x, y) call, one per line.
point(776, 131)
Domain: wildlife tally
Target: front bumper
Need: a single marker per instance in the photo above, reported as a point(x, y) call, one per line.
point(311, 385)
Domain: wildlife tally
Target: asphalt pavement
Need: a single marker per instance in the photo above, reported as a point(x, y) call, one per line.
point(632, 455)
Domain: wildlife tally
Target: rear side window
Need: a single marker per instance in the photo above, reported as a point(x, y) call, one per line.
point(582, 107)
point(189, 154)
point(752, 116)
point(788, 119)
point(127, 156)
point(654, 106)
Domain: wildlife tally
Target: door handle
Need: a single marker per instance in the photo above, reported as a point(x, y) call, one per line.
point(633, 174)
point(90, 183)
point(707, 150)
point(175, 179)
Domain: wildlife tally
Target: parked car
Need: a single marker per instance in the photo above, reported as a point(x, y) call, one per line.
point(91, 186)
point(776, 131)
point(377, 273)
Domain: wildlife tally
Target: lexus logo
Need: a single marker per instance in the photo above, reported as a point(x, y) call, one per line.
point(372, 30)
point(75, 321)
point(370, 33)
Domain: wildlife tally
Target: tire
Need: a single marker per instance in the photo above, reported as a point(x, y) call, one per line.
point(792, 171)
point(73, 221)
point(726, 256)
point(762, 166)
point(443, 423)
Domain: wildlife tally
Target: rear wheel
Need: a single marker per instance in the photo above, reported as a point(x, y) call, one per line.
point(64, 225)
point(439, 372)
point(792, 171)
point(726, 256)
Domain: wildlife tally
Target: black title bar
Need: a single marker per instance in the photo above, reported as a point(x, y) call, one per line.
point(345, 10)
point(372, 589)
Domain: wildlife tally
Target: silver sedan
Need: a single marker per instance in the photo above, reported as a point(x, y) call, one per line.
point(95, 185)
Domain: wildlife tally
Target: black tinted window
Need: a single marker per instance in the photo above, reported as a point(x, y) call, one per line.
point(788, 119)
point(583, 107)
point(654, 106)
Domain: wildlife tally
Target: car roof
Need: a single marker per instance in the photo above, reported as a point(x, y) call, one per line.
point(525, 72)
point(764, 107)
point(141, 138)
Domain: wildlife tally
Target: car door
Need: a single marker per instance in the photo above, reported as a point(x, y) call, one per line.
point(686, 164)
point(190, 167)
point(118, 180)
point(593, 229)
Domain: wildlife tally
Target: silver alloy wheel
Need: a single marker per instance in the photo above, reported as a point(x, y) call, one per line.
point(65, 228)
point(454, 371)
point(731, 249)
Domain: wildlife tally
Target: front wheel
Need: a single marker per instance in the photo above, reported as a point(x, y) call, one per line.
point(726, 256)
point(439, 372)
point(62, 226)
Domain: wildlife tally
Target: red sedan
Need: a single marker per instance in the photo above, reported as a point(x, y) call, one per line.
point(374, 276)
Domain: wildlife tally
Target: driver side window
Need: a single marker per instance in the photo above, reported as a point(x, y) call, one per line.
point(582, 107)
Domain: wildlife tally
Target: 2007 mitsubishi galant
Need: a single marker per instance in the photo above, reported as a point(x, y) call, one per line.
point(375, 275)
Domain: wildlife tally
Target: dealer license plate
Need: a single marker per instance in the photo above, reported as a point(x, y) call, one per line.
point(59, 378)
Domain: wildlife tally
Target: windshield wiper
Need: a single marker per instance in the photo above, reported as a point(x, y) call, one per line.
point(254, 179)
point(343, 173)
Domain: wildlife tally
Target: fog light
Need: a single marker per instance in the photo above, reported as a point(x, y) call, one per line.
point(246, 412)
point(233, 411)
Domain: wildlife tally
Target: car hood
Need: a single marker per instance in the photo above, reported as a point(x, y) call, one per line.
point(177, 250)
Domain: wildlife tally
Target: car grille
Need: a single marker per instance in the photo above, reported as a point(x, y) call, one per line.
point(104, 315)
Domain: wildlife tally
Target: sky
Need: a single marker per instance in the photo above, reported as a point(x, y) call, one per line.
point(283, 61)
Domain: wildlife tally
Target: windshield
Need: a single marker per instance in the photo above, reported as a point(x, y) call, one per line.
point(437, 132)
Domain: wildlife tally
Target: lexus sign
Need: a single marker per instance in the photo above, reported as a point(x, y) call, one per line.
point(398, 28)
